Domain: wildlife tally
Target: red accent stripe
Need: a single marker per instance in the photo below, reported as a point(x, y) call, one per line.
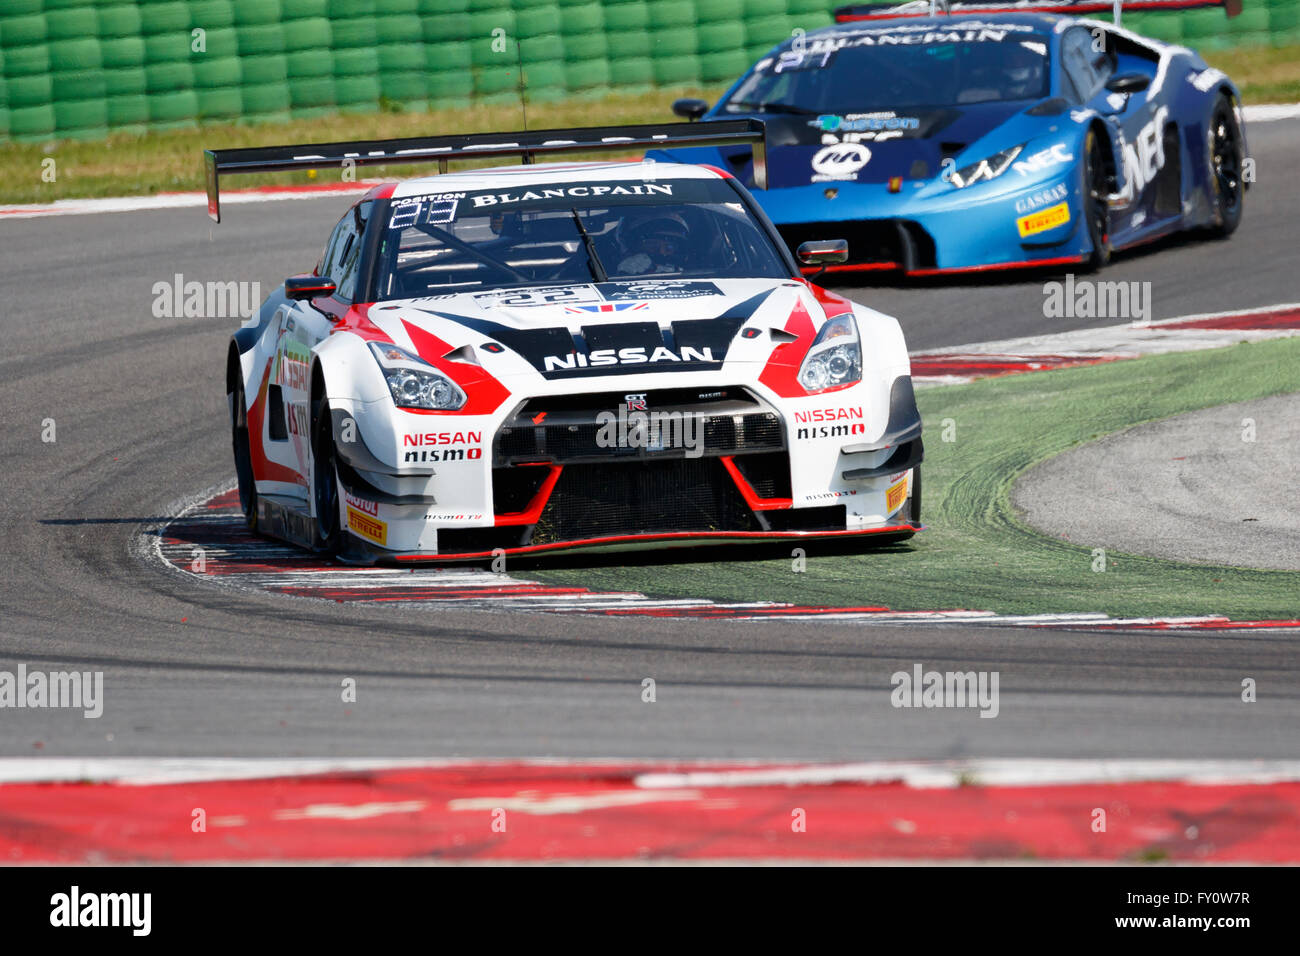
point(533, 512)
point(998, 266)
point(264, 469)
point(752, 498)
point(483, 393)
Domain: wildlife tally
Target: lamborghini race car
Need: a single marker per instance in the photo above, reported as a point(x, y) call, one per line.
point(989, 138)
point(540, 357)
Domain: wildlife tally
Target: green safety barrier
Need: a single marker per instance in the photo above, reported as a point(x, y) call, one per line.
point(83, 68)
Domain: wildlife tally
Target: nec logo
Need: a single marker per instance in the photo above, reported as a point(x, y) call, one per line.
point(633, 355)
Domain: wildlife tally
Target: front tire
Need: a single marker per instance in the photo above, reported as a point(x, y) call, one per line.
point(239, 438)
point(1096, 208)
point(325, 481)
point(1226, 170)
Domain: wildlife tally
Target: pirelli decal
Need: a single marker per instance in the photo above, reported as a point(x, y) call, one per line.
point(896, 495)
point(372, 529)
point(1043, 220)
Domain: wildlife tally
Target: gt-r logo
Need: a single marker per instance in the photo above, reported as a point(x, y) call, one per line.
point(635, 403)
point(633, 355)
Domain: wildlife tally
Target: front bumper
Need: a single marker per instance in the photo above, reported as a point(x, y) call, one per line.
point(558, 484)
point(935, 229)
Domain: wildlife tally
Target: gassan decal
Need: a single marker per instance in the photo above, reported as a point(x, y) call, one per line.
point(895, 495)
point(841, 161)
point(372, 529)
point(1041, 198)
point(1043, 220)
point(1054, 155)
point(660, 289)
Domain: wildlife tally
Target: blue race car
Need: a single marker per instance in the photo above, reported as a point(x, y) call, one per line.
point(987, 139)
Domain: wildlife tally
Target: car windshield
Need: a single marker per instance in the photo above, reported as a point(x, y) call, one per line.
point(896, 69)
point(527, 235)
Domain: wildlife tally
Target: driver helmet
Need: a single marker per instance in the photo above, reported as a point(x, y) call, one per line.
point(661, 237)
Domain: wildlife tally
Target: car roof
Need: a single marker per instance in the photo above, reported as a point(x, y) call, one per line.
point(545, 174)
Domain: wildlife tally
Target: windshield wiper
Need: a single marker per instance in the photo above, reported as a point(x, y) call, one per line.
point(597, 270)
point(772, 107)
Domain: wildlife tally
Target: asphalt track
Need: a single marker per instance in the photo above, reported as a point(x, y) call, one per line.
point(1187, 488)
point(140, 421)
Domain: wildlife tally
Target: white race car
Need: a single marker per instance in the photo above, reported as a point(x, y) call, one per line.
point(542, 357)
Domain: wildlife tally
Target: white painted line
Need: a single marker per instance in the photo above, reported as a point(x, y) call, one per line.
point(992, 773)
point(82, 207)
point(1267, 113)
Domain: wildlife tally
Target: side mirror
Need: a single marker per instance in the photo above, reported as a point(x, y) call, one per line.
point(308, 286)
point(690, 109)
point(823, 252)
point(1127, 83)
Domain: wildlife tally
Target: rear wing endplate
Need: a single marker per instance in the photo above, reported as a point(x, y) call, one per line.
point(529, 146)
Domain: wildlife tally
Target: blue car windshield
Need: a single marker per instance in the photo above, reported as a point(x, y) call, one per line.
point(896, 71)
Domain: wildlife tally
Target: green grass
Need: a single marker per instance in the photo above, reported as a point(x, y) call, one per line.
point(1263, 74)
point(129, 164)
point(170, 160)
point(976, 554)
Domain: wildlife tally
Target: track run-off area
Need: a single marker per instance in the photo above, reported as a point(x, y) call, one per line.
point(1145, 661)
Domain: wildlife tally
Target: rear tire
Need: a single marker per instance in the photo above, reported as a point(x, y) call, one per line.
point(243, 456)
point(1226, 170)
point(1096, 210)
point(325, 481)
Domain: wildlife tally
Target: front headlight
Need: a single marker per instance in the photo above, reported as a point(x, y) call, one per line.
point(990, 168)
point(835, 357)
point(413, 382)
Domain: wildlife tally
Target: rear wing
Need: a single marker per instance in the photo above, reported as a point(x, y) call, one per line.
point(528, 146)
point(930, 8)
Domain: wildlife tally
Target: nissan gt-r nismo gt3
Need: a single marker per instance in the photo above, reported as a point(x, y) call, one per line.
point(551, 356)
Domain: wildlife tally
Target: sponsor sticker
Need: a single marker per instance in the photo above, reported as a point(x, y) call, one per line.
point(1041, 198)
point(1054, 155)
point(372, 529)
point(657, 289)
point(841, 161)
point(1038, 222)
point(896, 495)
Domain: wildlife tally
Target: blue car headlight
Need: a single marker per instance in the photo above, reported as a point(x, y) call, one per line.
point(835, 357)
point(991, 167)
point(413, 382)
